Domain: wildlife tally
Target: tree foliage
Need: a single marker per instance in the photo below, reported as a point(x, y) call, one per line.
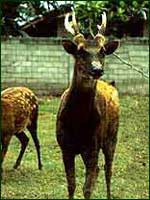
point(14, 13)
point(120, 12)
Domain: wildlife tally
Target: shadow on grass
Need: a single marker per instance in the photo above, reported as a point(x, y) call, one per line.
point(22, 174)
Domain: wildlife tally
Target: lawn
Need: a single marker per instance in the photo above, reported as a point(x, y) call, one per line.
point(131, 166)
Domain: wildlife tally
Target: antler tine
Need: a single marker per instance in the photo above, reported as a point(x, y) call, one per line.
point(102, 28)
point(68, 25)
point(90, 28)
point(73, 28)
point(74, 22)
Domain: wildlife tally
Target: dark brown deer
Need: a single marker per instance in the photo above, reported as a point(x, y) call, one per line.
point(88, 117)
point(19, 111)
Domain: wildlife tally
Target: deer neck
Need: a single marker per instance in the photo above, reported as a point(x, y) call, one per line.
point(82, 87)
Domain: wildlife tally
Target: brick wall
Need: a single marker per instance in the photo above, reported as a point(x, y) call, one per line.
point(44, 66)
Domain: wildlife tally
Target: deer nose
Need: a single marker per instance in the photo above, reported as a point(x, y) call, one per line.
point(96, 72)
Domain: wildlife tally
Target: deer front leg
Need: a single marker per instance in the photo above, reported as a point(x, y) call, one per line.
point(90, 160)
point(69, 163)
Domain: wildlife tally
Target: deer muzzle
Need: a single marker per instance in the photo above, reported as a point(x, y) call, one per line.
point(95, 72)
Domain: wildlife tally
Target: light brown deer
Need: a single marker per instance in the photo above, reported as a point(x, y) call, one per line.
point(88, 117)
point(19, 111)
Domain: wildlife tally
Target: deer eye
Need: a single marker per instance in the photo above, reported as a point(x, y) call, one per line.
point(81, 68)
point(101, 54)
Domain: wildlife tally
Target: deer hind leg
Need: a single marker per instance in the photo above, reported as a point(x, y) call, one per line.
point(90, 160)
point(5, 142)
point(33, 130)
point(24, 142)
point(69, 163)
point(109, 150)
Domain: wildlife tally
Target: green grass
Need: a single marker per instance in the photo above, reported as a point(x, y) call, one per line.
point(130, 170)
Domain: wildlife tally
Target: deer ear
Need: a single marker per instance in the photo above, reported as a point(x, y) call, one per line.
point(70, 47)
point(110, 47)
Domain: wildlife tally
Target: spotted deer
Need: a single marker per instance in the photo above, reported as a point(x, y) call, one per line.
point(19, 111)
point(88, 116)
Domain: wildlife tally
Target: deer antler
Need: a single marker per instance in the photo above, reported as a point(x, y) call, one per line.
point(73, 28)
point(101, 30)
point(90, 28)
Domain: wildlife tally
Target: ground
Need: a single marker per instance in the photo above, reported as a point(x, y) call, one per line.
point(130, 172)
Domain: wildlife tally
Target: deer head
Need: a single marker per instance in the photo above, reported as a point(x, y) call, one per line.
point(89, 62)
